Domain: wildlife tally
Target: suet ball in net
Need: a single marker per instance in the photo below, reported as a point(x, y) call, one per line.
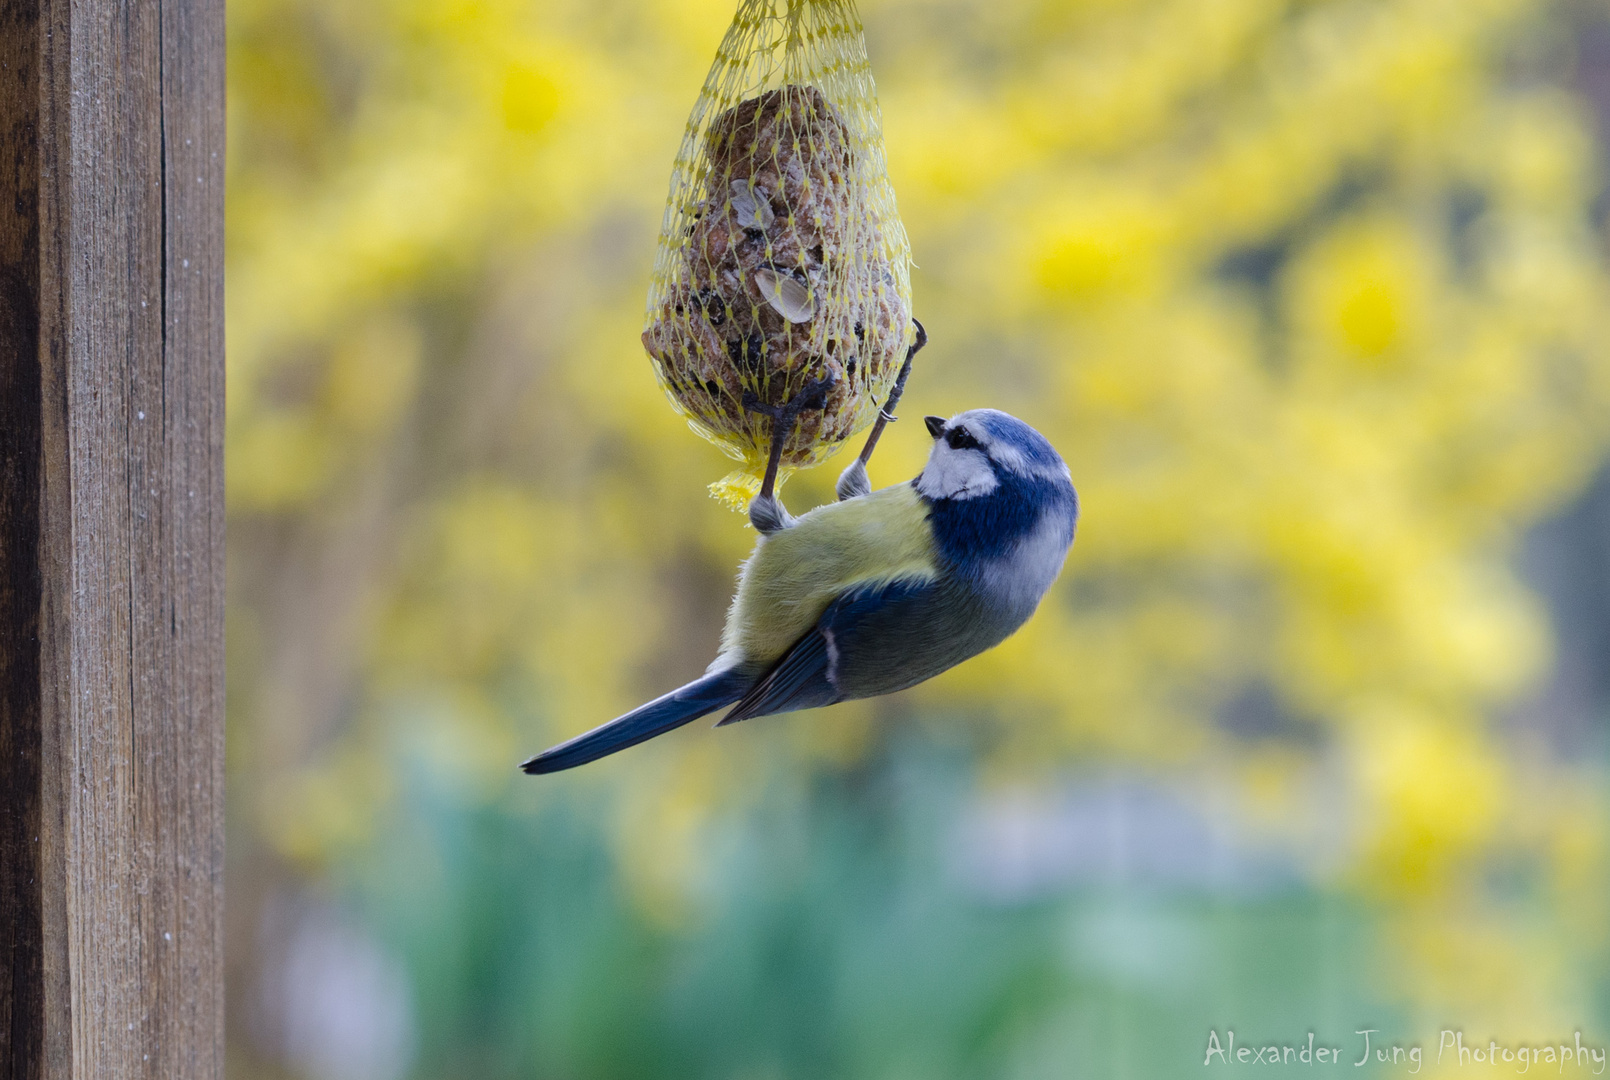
point(782, 258)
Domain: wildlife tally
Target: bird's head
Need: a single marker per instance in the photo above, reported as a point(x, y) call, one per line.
point(979, 451)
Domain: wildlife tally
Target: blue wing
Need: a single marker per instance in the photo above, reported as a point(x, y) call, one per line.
point(800, 680)
point(807, 675)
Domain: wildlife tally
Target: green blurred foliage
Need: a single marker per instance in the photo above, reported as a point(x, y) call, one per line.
point(827, 950)
point(1309, 293)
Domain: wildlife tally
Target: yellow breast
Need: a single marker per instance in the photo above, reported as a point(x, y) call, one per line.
point(795, 573)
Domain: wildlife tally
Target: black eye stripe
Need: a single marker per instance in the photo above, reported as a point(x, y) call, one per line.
point(959, 438)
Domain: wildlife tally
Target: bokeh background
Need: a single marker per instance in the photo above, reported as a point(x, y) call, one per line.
point(1311, 735)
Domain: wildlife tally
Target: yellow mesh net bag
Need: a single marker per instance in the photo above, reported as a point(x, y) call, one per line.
point(781, 259)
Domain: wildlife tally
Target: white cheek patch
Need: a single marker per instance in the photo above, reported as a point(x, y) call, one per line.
point(956, 474)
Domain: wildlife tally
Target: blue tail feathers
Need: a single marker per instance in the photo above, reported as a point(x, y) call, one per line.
point(697, 698)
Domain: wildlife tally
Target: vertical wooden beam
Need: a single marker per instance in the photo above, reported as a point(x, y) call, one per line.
point(111, 538)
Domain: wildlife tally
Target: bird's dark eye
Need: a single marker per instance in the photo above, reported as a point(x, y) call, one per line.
point(959, 438)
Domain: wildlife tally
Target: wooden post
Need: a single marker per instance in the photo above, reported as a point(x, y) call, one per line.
point(111, 539)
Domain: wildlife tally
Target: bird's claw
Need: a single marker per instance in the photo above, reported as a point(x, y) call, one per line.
point(813, 395)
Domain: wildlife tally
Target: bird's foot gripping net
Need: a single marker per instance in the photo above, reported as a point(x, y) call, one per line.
point(766, 513)
point(853, 481)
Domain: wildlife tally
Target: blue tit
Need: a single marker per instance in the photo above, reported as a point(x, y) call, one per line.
point(879, 591)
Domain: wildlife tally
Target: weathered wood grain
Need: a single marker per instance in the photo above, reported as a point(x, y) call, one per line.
point(111, 538)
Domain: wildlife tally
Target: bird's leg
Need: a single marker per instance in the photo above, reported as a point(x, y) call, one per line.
point(766, 512)
point(853, 481)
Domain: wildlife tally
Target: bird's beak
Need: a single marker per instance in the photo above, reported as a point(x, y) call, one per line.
point(936, 425)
